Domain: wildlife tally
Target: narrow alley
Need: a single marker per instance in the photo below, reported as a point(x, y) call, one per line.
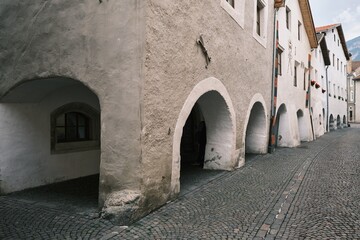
point(308, 192)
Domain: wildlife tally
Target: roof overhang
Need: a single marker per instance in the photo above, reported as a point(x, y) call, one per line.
point(308, 22)
point(324, 49)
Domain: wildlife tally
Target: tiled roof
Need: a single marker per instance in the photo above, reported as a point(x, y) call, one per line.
point(327, 27)
point(355, 65)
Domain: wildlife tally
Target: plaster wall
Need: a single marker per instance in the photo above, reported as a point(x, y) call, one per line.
point(26, 159)
point(175, 65)
point(318, 98)
point(295, 52)
point(101, 44)
point(336, 76)
point(357, 96)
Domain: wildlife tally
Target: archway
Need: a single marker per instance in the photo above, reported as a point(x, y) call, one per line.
point(51, 131)
point(331, 122)
point(256, 131)
point(283, 136)
point(210, 98)
point(344, 121)
point(338, 122)
point(302, 125)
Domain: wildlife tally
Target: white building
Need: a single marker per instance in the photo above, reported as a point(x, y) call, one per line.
point(297, 37)
point(318, 89)
point(337, 74)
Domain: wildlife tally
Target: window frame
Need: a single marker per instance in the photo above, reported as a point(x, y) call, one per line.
point(288, 18)
point(93, 140)
point(236, 12)
point(261, 10)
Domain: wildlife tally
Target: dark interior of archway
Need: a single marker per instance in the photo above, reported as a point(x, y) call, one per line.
point(193, 140)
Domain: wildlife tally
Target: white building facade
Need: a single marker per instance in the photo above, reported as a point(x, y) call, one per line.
point(318, 89)
point(337, 75)
point(297, 38)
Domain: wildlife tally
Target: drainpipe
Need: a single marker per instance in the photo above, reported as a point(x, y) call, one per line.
point(274, 84)
point(327, 98)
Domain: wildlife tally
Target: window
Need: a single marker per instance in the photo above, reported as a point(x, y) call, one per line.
point(338, 43)
point(352, 96)
point(295, 75)
point(333, 60)
point(72, 127)
point(279, 55)
point(299, 30)
point(288, 18)
point(337, 65)
point(334, 36)
point(260, 21)
point(231, 2)
point(351, 83)
point(75, 127)
point(235, 8)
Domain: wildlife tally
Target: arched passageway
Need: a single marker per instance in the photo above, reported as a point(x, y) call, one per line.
point(344, 121)
point(50, 133)
point(338, 122)
point(331, 123)
point(204, 136)
point(256, 132)
point(302, 125)
point(283, 135)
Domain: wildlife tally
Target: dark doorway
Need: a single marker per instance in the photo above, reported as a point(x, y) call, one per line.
point(193, 141)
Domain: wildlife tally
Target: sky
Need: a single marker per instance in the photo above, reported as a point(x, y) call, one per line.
point(346, 12)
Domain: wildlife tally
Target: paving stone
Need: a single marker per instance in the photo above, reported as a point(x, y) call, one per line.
point(316, 186)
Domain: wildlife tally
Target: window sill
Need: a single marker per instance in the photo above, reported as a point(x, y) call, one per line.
point(259, 39)
point(234, 13)
point(70, 147)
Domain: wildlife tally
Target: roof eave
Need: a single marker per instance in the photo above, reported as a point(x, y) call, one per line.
point(308, 22)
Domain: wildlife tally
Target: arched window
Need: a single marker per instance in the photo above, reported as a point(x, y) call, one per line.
point(75, 127)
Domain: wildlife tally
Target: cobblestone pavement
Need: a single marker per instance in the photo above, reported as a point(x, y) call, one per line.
point(309, 192)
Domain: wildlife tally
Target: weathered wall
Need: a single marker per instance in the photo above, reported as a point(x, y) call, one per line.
point(295, 52)
point(99, 43)
point(26, 159)
point(175, 64)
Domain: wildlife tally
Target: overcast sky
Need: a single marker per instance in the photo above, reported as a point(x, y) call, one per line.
point(346, 12)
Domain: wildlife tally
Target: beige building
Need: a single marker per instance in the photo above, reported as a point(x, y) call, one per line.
point(135, 91)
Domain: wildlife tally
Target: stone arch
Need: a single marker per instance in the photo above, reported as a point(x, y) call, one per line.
point(255, 137)
point(301, 125)
point(218, 111)
point(331, 123)
point(338, 122)
point(283, 134)
point(30, 105)
point(344, 121)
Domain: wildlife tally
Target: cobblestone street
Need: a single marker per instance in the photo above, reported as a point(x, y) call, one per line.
point(309, 192)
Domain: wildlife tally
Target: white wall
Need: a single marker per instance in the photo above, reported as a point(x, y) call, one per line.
point(295, 52)
point(337, 77)
point(26, 160)
point(318, 99)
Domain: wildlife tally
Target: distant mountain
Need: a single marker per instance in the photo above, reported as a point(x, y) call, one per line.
point(354, 48)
